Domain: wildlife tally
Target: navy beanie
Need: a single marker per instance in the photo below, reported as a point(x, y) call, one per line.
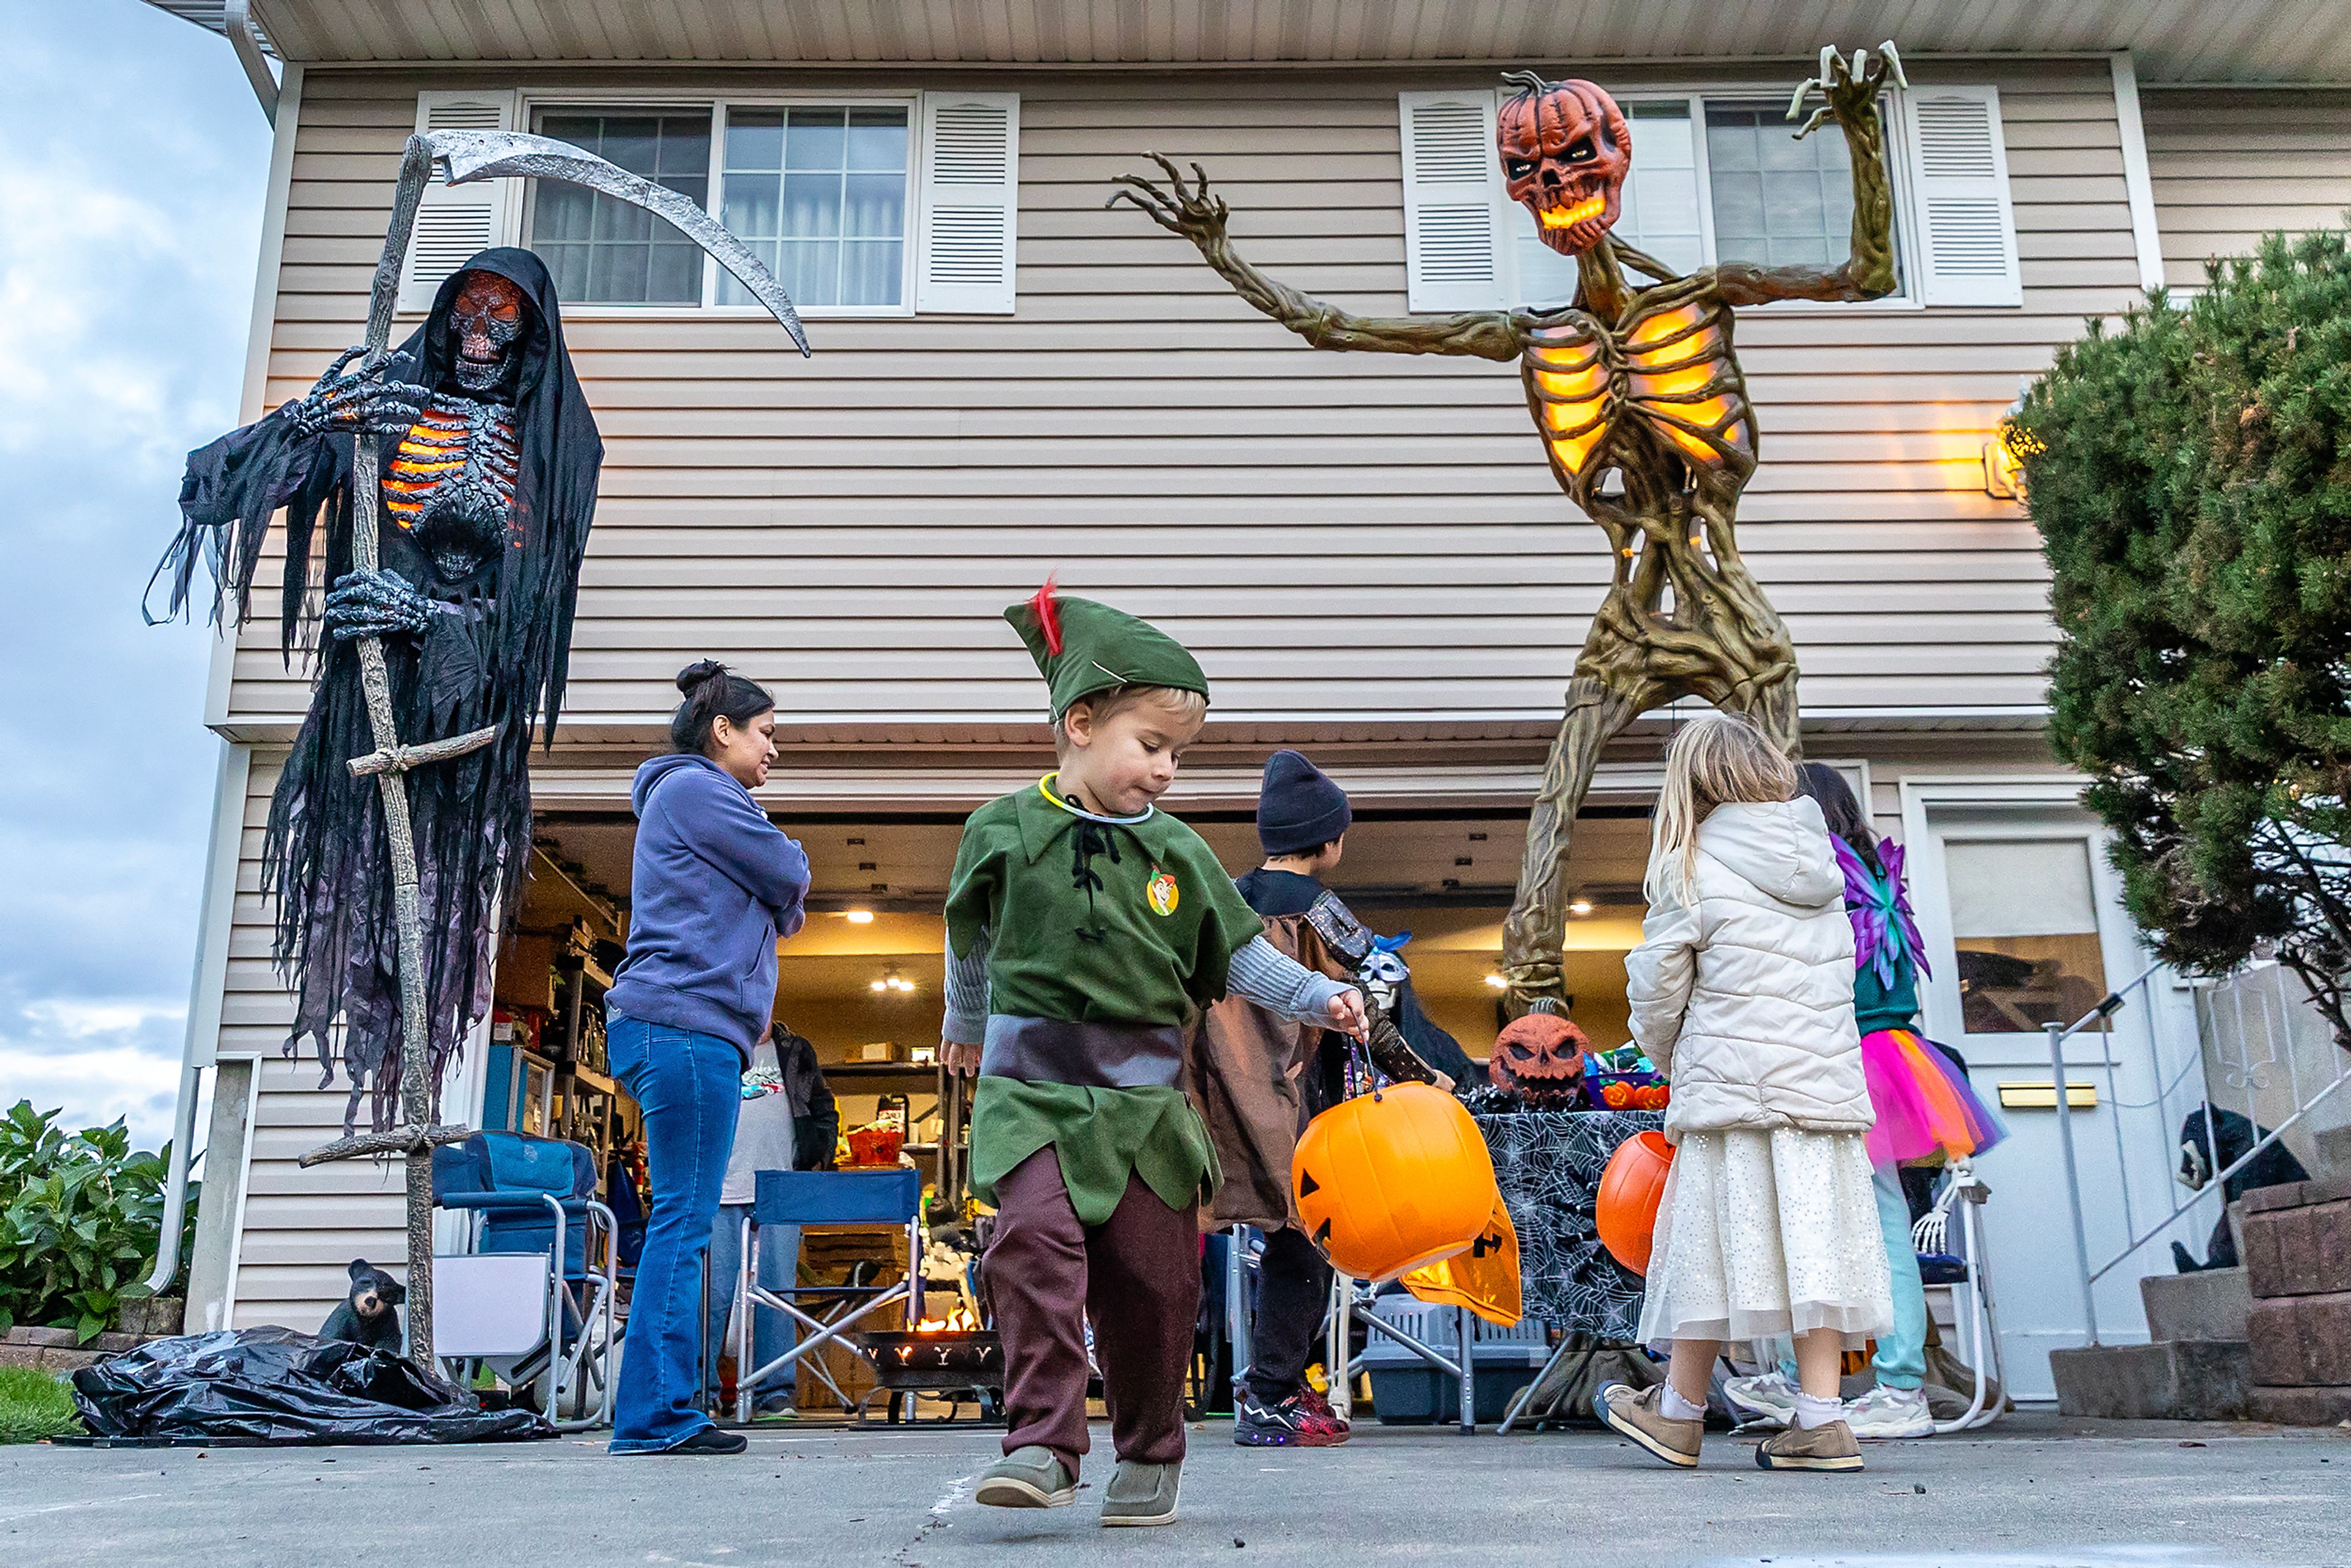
point(1297, 807)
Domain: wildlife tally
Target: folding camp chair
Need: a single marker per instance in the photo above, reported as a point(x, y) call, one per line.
point(887, 1197)
point(528, 1296)
point(1964, 1275)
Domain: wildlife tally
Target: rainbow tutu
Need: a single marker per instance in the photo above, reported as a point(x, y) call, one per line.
point(1926, 1107)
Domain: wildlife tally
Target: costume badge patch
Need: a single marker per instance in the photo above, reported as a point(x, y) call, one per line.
point(1161, 891)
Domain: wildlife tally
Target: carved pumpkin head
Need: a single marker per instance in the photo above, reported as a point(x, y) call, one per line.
point(1388, 1182)
point(1565, 151)
point(1539, 1058)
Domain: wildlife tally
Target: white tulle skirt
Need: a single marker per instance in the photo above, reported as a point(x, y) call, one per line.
point(1762, 1234)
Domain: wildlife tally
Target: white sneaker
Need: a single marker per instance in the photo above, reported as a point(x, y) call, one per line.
point(1886, 1412)
point(1769, 1400)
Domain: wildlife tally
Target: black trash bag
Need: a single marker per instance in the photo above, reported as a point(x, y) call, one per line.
point(274, 1385)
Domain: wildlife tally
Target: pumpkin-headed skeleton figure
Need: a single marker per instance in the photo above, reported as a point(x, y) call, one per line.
point(1645, 419)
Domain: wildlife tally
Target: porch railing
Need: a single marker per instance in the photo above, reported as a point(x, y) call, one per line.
point(2258, 1050)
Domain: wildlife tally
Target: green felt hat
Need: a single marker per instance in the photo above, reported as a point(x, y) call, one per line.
point(1081, 647)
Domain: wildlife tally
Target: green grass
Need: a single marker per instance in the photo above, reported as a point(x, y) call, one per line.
point(33, 1405)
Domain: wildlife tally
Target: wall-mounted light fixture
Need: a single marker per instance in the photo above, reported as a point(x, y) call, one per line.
point(2005, 453)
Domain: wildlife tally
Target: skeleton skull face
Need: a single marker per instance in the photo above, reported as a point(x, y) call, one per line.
point(1383, 973)
point(484, 322)
point(1565, 151)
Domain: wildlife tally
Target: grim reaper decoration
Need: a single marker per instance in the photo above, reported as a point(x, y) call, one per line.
point(1644, 416)
point(400, 828)
point(483, 513)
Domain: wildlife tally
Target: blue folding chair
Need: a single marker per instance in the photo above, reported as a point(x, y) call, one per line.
point(534, 1293)
point(891, 1197)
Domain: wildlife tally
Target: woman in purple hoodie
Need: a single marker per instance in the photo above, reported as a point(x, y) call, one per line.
point(715, 886)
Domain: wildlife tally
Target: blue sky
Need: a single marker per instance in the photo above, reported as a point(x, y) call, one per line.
point(133, 163)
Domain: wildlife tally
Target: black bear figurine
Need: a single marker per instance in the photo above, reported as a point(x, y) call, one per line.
point(366, 1317)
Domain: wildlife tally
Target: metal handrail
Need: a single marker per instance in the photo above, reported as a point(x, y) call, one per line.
point(2058, 1035)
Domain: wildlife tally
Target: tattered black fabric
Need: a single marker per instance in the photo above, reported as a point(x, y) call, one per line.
point(493, 651)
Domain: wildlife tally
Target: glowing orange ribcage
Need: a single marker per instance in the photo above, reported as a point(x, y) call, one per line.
point(436, 450)
point(1672, 367)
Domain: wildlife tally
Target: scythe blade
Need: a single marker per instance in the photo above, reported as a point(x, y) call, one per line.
point(500, 154)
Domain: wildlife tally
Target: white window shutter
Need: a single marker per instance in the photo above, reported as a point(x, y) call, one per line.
point(970, 196)
point(1453, 228)
point(456, 221)
point(1958, 173)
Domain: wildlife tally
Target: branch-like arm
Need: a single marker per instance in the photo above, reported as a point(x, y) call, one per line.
point(1187, 208)
point(1851, 92)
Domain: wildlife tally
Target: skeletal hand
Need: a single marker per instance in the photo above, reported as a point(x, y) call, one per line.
point(362, 400)
point(375, 604)
point(1851, 87)
point(1181, 207)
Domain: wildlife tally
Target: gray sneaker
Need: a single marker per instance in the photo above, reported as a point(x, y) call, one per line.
point(1829, 1448)
point(1142, 1494)
point(1031, 1476)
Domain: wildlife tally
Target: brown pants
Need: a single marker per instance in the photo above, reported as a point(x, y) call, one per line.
point(1138, 1273)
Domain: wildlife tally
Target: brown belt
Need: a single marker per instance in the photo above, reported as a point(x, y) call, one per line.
point(1090, 1055)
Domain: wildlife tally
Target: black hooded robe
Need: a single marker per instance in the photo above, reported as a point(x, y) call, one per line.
point(495, 654)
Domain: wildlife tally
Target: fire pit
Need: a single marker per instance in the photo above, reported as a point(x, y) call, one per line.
point(945, 1363)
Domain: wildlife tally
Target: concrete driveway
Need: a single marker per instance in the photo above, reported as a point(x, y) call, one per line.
point(2038, 1490)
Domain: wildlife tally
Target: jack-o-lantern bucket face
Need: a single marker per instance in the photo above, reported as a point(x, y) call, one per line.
point(1541, 1059)
point(1389, 1182)
point(1565, 152)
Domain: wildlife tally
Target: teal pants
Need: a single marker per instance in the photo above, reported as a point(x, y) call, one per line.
point(1901, 1358)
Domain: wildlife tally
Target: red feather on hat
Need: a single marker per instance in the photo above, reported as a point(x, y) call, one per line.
point(1049, 617)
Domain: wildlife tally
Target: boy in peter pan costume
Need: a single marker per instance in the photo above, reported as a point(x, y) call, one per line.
point(1086, 931)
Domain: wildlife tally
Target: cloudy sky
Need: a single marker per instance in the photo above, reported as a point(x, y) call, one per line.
point(133, 161)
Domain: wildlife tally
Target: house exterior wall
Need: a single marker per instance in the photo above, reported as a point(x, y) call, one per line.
point(2229, 167)
point(1371, 539)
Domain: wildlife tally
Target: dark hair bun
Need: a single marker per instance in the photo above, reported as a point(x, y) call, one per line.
point(700, 673)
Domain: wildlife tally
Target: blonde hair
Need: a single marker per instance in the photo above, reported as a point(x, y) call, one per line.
point(1189, 708)
point(1716, 760)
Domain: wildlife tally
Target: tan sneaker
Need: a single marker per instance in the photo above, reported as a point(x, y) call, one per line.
point(1829, 1448)
point(1028, 1477)
point(1640, 1418)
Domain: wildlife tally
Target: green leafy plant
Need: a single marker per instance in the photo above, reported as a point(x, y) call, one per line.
point(34, 1405)
point(2189, 471)
point(80, 1219)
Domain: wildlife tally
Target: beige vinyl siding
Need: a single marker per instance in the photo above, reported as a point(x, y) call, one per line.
point(2229, 167)
point(300, 1229)
point(1364, 538)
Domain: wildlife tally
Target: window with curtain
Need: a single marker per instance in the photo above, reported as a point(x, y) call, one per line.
point(821, 195)
point(1713, 181)
point(2024, 920)
point(607, 252)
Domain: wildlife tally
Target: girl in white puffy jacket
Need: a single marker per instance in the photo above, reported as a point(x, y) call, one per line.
point(1741, 992)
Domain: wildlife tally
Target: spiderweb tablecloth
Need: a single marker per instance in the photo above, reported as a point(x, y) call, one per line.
point(1549, 1163)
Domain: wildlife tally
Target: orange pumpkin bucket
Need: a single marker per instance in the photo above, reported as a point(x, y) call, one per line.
point(1391, 1181)
point(1631, 1187)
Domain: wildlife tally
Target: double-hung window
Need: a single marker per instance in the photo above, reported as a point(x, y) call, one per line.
point(865, 207)
point(1717, 178)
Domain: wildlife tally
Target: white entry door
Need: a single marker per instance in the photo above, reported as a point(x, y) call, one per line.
point(2024, 926)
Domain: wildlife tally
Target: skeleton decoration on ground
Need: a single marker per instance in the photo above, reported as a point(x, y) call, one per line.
point(484, 509)
point(1644, 416)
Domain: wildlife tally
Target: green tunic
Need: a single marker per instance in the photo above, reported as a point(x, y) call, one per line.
point(1143, 938)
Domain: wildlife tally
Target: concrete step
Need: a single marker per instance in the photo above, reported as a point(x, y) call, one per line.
point(2210, 1305)
point(2177, 1380)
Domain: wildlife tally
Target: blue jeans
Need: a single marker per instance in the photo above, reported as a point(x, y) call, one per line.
point(1901, 1358)
point(689, 1086)
point(772, 1333)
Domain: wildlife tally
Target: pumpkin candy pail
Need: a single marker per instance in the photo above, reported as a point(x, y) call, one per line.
point(1388, 1182)
point(1632, 1187)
